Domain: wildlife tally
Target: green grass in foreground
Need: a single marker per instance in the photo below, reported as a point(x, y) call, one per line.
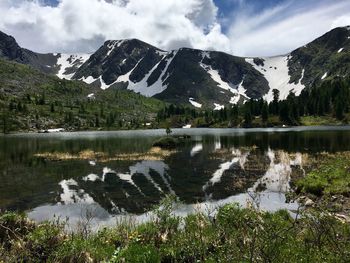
point(331, 177)
point(233, 235)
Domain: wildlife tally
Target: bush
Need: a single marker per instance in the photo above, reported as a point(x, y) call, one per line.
point(331, 177)
point(166, 143)
point(137, 253)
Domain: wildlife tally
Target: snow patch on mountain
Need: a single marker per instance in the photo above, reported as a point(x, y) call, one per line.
point(104, 86)
point(194, 103)
point(126, 76)
point(89, 79)
point(156, 88)
point(276, 72)
point(142, 86)
point(234, 99)
point(205, 54)
point(214, 74)
point(112, 45)
point(241, 92)
point(162, 53)
point(237, 90)
point(218, 106)
point(66, 61)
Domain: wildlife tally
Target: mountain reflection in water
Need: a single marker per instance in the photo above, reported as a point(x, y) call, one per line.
point(216, 167)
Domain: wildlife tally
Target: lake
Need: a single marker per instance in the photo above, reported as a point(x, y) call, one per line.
point(214, 167)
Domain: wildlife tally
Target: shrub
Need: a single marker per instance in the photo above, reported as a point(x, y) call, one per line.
point(137, 253)
point(166, 143)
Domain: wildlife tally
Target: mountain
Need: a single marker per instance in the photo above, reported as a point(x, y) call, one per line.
point(325, 57)
point(31, 100)
point(204, 79)
point(181, 76)
point(213, 79)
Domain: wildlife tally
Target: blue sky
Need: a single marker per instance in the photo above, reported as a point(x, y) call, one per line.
point(239, 27)
point(228, 9)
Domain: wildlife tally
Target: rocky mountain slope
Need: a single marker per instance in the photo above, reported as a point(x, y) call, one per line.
point(10, 50)
point(181, 76)
point(61, 65)
point(325, 57)
point(204, 79)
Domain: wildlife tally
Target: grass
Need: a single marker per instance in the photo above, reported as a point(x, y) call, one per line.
point(329, 178)
point(154, 154)
point(319, 121)
point(234, 234)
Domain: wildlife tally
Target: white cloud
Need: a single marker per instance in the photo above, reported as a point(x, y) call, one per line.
point(285, 27)
point(82, 25)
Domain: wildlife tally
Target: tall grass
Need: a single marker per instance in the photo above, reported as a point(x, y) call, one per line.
point(234, 234)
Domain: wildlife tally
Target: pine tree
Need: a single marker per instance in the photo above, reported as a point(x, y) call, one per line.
point(275, 103)
point(265, 112)
point(5, 122)
point(339, 109)
point(248, 116)
point(168, 130)
point(52, 108)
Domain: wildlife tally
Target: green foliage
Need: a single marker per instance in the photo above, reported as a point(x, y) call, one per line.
point(321, 56)
point(331, 177)
point(43, 241)
point(234, 234)
point(80, 249)
point(322, 104)
point(265, 112)
point(167, 142)
point(137, 253)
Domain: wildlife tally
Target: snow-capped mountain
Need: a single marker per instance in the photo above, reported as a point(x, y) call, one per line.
point(199, 78)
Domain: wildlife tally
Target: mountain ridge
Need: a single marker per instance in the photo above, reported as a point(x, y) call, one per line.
point(195, 77)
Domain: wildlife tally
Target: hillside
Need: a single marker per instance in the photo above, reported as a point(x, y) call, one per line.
point(32, 100)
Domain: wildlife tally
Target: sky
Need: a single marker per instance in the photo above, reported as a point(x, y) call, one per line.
point(239, 27)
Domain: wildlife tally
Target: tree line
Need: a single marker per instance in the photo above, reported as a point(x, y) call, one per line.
point(331, 98)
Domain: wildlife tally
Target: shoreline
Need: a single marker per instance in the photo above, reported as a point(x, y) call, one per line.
point(257, 129)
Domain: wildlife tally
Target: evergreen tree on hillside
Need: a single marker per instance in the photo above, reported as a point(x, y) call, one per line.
point(265, 112)
point(248, 116)
point(274, 106)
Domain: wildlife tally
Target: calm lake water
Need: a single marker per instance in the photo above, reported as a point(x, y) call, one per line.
point(215, 167)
